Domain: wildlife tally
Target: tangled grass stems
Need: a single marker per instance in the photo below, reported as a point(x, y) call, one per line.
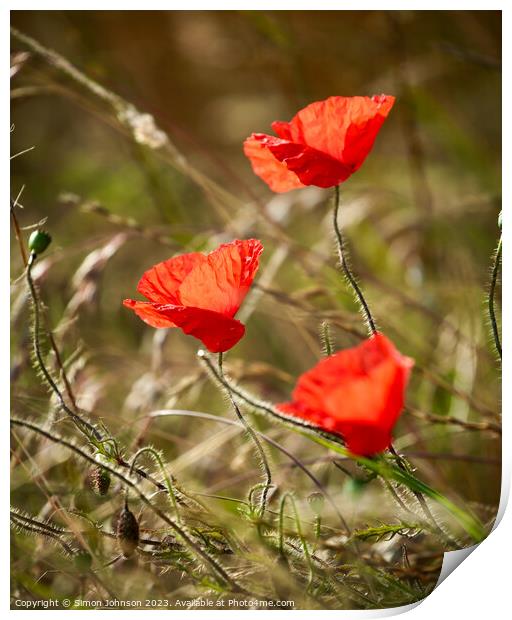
point(247, 504)
point(297, 462)
point(268, 410)
point(81, 556)
point(90, 431)
point(468, 521)
point(30, 525)
point(129, 483)
point(114, 454)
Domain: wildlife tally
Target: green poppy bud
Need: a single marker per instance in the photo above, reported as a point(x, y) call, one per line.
point(38, 241)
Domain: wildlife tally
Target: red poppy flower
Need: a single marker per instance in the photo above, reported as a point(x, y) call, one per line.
point(322, 145)
point(357, 393)
point(200, 293)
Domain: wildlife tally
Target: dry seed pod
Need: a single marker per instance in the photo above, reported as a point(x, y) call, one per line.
point(99, 479)
point(127, 532)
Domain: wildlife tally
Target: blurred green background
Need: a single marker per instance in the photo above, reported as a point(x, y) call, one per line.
point(420, 217)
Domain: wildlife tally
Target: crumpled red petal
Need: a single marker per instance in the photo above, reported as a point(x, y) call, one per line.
point(160, 283)
point(221, 282)
point(217, 332)
point(311, 166)
point(264, 164)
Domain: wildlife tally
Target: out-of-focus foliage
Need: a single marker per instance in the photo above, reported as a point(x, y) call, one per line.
point(421, 219)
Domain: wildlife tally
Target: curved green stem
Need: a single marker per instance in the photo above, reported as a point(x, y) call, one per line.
point(156, 457)
point(289, 496)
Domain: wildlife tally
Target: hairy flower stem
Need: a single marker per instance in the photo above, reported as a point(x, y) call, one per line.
point(371, 324)
point(83, 425)
point(250, 399)
point(492, 289)
point(342, 253)
point(254, 437)
point(53, 344)
point(29, 525)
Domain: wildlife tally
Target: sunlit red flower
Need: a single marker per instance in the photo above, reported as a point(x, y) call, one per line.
point(357, 393)
point(322, 145)
point(200, 293)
